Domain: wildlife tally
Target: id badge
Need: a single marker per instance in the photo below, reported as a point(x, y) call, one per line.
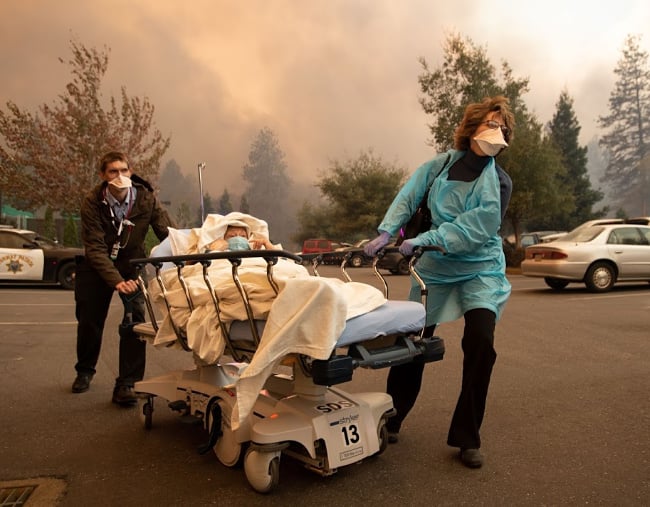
point(115, 250)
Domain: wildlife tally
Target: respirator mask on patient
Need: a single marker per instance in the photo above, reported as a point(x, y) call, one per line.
point(238, 243)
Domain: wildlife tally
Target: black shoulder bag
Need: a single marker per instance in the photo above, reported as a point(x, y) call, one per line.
point(421, 219)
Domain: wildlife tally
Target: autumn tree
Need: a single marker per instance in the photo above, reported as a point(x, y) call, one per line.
point(356, 194)
point(268, 184)
point(466, 75)
point(49, 157)
point(627, 137)
point(564, 131)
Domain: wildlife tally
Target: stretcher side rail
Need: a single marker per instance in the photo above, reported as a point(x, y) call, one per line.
point(239, 353)
point(383, 353)
point(391, 350)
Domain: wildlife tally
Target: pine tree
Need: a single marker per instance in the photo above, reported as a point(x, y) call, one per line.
point(465, 76)
point(627, 141)
point(564, 131)
point(268, 183)
point(225, 206)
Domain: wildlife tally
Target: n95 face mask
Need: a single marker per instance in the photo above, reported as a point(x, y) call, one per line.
point(121, 182)
point(238, 243)
point(491, 141)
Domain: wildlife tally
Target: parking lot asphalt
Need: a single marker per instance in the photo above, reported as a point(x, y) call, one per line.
point(566, 424)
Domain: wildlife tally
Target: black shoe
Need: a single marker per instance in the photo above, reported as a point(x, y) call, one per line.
point(393, 437)
point(471, 458)
point(82, 383)
point(124, 395)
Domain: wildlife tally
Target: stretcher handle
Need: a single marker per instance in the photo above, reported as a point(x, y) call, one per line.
point(239, 254)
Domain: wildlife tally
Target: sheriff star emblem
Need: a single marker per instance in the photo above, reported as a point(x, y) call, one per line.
point(14, 265)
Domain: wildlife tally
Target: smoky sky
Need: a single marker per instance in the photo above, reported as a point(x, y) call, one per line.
point(330, 78)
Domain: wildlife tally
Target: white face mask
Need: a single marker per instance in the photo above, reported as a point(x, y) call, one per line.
point(491, 141)
point(121, 182)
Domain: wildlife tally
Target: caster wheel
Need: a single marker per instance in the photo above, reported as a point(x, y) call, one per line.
point(146, 411)
point(229, 452)
point(262, 470)
point(382, 435)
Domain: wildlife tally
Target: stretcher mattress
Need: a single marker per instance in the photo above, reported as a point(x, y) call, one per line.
point(390, 318)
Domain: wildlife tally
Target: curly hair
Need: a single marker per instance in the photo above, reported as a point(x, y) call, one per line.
point(474, 115)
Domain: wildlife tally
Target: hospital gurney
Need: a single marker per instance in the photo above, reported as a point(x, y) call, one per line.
point(299, 412)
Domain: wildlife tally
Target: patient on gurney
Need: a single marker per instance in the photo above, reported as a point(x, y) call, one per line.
point(307, 316)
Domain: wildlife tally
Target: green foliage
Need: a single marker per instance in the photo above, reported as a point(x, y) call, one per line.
point(465, 76)
point(49, 227)
point(564, 131)
point(180, 194)
point(70, 232)
point(534, 164)
point(225, 206)
point(268, 184)
point(627, 140)
point(243, 205)
point(150, 240)
point(208, 208)
point(357, 194)
point(50, 157)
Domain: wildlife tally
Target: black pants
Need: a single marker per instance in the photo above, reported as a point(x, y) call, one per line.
point(93, 298)
point(404, 381)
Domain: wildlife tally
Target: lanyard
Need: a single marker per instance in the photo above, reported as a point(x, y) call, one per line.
point(117, 246)
point(126, 215)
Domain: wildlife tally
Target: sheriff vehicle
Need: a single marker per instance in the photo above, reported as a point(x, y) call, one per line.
point(27, 257)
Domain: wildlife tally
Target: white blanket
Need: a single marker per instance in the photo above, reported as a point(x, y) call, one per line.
point(307, 317)
point(214, 227)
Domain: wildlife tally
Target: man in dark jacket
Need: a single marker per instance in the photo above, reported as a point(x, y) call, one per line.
point(115, 218)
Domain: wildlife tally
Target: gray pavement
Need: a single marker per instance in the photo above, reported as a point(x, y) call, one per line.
point(567, 421)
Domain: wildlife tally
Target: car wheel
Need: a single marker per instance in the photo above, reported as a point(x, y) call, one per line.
point(66, 276)
point(356, 261)
point(556, 283)
point(403, 267)
point(600, 277)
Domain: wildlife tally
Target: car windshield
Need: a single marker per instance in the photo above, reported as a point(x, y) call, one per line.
point(582, 234)
point(40, 240)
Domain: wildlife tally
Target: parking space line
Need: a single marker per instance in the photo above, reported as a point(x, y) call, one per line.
point(67, 323)
point(606, 296)
point(37, 304)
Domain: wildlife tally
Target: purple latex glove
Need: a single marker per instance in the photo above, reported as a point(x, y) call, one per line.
point(372, 247)
point(407, 247)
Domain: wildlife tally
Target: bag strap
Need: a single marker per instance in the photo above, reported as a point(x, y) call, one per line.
point(423, 202)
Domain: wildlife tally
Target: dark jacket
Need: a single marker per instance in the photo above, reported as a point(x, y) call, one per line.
point(98, 233)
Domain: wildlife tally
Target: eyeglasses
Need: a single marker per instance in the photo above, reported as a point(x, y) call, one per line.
point(493, 124)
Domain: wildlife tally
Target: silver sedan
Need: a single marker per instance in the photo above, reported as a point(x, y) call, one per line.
point(598, 253)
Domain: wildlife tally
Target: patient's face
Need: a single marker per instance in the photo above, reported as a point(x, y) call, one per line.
point(233, 231)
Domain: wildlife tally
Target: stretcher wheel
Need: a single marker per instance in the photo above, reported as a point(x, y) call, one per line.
point(262, 469)
point(146, 411)
point(228, 451)
point(382, 435)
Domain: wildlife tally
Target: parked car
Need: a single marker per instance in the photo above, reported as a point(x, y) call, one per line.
point(532, 238)
point(394, 262)
point(599, 253)
point(28, 257)
point(357, 259)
